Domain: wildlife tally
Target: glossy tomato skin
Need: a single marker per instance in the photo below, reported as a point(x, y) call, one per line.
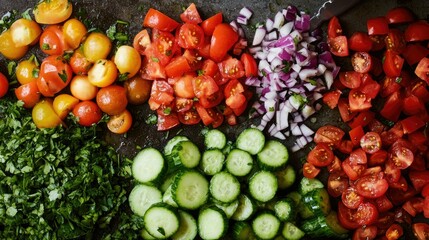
point(4, 85)
point(190, 36)
point(26, 71)
point(417, 31)
point(87, 113)
point(55, 74)
point(52, 41)
point(82, 89)
point(321, 155)
point(52, 12)
point(28, 93)
point(112, 99)
point(377, 26)
point(339, 46)
point(422, 69)
point(372, 186)
point(210, 23)
point(334, 28)
point(44, 115)
point(79, 63)
point(392, 64)
point(309, 170)
point(138, 90)
point(103, 73)
point(8, 48)
point(158, 20)
point(399, 15)
point(74, 31)
point(223, 39)
point(96, 46)
point(63, 104)
point(337, 183)
point(25, 32)
point(421, 230)
point(360, 42)
point(191, 15)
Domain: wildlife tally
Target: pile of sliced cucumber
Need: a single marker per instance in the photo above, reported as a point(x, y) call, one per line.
point(230, 189)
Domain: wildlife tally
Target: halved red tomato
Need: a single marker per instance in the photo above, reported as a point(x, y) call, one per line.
point(190, 36)
point(351, 198)
point(353, 171)
point(204, 86)
point(331, 98)
point(189, 117)
point(334, 28)
point(399, 15)
point(250, 65)
point(211, 100)
point(394, 232)
point(141, 41)
point(234, 94)
point(363, 118)
point(309, 170)
point(370, 142)
point(210, 23)
point(392, 64)
point(351, 79)
point(392, 107)
point(372, 186)
point(344, 109)
point(421, 230)
point(321, 155)
point(166, 119)
point(358, 156)
point(164, 45)
point(183, 104)
point(359, 101)
point(328, 134)
point(339, 46)
point(337, 183)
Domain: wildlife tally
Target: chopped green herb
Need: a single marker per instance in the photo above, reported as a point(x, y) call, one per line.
point(26, 14)
point(123, 77)
point(151, 119)
point(63, 76)
point(398, 80)
point(155, 59)
point(200, 72)
point(35, 73)
point(167, 111)
point(46, 46)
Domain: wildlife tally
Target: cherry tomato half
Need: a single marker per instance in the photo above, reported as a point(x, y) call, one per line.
point(120, 123)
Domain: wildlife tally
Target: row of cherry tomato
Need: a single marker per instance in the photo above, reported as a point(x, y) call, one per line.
point(379, 169)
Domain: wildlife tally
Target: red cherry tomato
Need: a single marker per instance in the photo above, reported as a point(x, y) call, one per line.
point(4, 85)
point(334, 28)
point(223, 39)
point(210, 23)
point(360, 42)
point(321, 155)
point(370, 142)
point(377, 26)
point(88, 113)
point(158, 20)
point(372, 186)
point(399, 15)
point(191, 15)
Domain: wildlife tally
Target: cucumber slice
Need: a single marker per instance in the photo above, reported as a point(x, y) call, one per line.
point(148, 166)
point(214, 139)
point(315, 203)
point(263, 186)
point(239, 163)
point(309, 184)
point(228, 208)
point(273, 156)
point(265, 225)
point(167, 197)
point(142, 197)
point(185, 153)
point(286, 177)
point(224, 187)
point(172, 142)
point(161, 221)
point(324, 227)
point(246, 207)
point(242, 231)
point(188, 227)
point(285, 209)
point(212, 161)
point(292, 232)
point(190, 189)
point(251, 140)
point(212, 223)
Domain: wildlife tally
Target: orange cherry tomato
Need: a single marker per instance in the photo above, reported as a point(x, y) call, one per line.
point(44, 115)
point(52, 40)
point(120, 123)
point(28, 93)
point(52, 11)
point(63, 104)
point(103, 73)
point(81, 88)
point(74, 31)
point(25, 32)
point(27, 71)
point(97, 46)
point(55, 74)
point(8, 48)
point(112, 99)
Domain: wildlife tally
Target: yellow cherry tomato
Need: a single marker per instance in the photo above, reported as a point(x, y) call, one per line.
point(96, 46)
point(127, 60)
point(63, 104)
point(44, 115)
point(8, 48)
point(81, 88)
point(25, 32)
point(27, 71)
point(52, 11)
point(74, 31)
point(120, 123)
point(103, 73)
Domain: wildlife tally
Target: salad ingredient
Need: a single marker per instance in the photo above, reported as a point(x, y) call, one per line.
point(25, 32)
point(58, 161)
point(55, 74)
point(52, 12)
point(112, 99)
point(27, 71)
point(120, 123)
point(8, 48)
point(29, 94)
point(82, 89)
point(4, 85)
point(44, 115)
point(96, 46)
point(87, 112)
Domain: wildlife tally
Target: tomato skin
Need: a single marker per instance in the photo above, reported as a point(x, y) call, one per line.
point(392, 107)
point(120, 123)
point(74, 31)
point(204, 86)
point(417, 31)
point(158, 20)
point(212, 100)
point(383, 204)
point(344, 109)
point(395, 41)
point(55, 74)
point(177, 67)
point(331, 98)
point(339, 46)
point(8, 48)
point(4, 85)
point(161, 93)
point(183, 87)
point(191, 15)
point(210, 23)
point(412, 124)
point(334, 28)
point(363, 118)
point(346, 217)
point(359, 101)
point(234, 94)
point(351, 79)
point(223, 39)
point(97, 46)
point(422, 69)
point(112, 99)
point(63, 104)
point(337, 183)
point(28, 93)
point(369, 87)
point(377, 26)
point(360, 42)
point(79, 63)
point(103, 73)
point(419, 179)
point(393, 63)
point(356, 134)
point(26, 71)
point(52, 12)
point(127, 60)
point(44, 115)
point(399, 15)
point(88, 113)
point(52, 41)
point(189, 117)
point(25, 32)
point(82, 89)
point(414, 52)
point(329, 134)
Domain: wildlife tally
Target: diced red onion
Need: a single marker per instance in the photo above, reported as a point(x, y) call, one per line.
point(306, 131)
point(286, 29)
point(269, 25)
point(259, 35)
point(234, 25)
point(255, 49)
point(290, 13)
point(246, 12)
point(271, 36)
point(278, 20)
point(242, 20)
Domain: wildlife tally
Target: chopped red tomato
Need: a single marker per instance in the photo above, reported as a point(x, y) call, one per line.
point(309, 170)
point(334, 28)
point(223, 39)
point(377, 26)
point(210, 23)
point(339, 46)
point(158, 20)
point(392, 64)
point(191, 15)
point(422, 70)
point(399, 15)
point(190, 36)
point(361, 62)
point(231, 68)
point(360, 42)
point(331, 98)
point(417, 31)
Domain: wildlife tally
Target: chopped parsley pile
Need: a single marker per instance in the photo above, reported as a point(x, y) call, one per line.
point(60, 183)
